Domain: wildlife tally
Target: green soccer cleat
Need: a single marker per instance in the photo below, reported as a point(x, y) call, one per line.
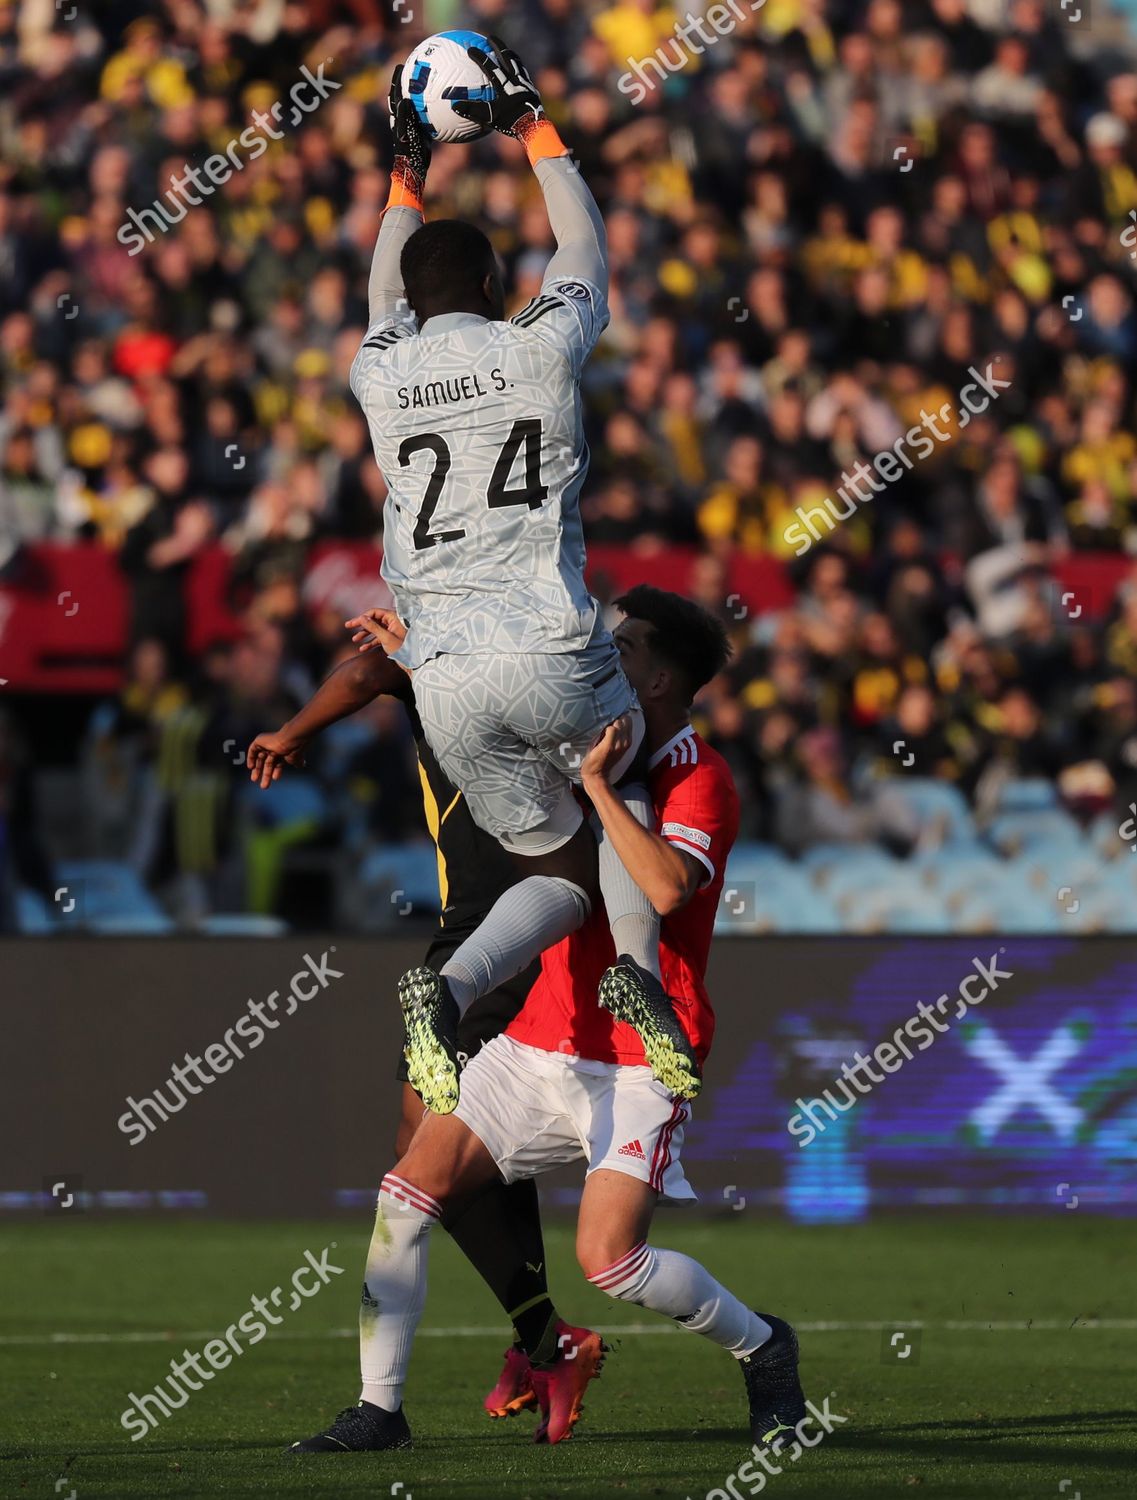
point(633, 995)
point(430, 1015)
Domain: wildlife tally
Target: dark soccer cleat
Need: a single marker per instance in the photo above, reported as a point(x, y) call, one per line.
point(430, 1016)
point(359, 1429)
point(633, 995)
point(777, 1402)
point(514, 1389)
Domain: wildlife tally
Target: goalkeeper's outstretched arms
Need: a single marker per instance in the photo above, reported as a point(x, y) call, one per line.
point(403, 214)
point(516, 110)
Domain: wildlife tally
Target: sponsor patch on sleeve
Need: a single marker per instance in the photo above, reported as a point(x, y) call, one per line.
point(691, 835)
point(574, 289)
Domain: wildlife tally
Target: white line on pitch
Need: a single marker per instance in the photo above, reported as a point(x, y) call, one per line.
point(949, 1325)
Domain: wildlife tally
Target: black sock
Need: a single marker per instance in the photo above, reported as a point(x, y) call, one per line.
point(499, 1233)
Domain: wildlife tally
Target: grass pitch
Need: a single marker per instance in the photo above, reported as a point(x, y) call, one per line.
point(982, 1406)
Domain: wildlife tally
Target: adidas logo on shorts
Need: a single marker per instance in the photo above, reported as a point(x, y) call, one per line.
point(633, 1148)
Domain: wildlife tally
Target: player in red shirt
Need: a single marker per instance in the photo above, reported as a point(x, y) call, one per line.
point(569, 1081)
point(696, 808)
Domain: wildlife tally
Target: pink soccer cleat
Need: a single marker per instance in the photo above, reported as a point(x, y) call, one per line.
point(560, 1388)
point(514, 1389)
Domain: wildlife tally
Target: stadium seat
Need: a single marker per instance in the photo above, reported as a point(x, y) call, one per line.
point(813, 917)
point(883, 873)
point(790, 907)
point(1007, 910)
point(1104, 909)
point(133, 924)
point(763, 891)
point(1048, 867)
point(1120, 875)
point(1026, 794)
point(749, 860)
point(296, 799)
point(398, 876)
point(1011, 833)
point(242, 924)
point(823, 859)
point(789, 878)
point(33, 915)
point(103, 890)
point(898, 907)
point(931, 800)
point(1105, 835)
point(955, 871)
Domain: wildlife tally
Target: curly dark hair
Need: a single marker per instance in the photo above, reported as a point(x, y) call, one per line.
point(683, 634)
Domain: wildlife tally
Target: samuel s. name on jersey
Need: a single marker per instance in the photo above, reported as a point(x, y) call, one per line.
point(445, 392)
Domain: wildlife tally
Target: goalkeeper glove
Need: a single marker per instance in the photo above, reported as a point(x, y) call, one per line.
point(515, 108)
point(412, 149)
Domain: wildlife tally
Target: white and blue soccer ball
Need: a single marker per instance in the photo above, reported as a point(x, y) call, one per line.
point(439, 72)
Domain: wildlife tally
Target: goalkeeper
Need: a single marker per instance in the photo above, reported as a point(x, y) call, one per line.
point(476, 425)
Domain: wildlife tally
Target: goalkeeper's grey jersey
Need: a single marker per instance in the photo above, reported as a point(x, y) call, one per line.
point(477, 428)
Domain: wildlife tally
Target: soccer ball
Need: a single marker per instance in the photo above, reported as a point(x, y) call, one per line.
point(438, 71)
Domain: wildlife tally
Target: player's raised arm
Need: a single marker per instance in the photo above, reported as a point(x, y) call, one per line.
point(667, 875)
point(403, 214)
point(578, 272)
point(582, 244)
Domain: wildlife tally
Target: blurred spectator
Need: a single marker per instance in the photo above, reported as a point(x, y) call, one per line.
point(820, 227)
point(819, 807)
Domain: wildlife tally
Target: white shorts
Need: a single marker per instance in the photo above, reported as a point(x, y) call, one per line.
point(535, 1110)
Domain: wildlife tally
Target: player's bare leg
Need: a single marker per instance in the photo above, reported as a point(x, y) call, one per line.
point(445, 1160)
point(612, 1249)
point(616, 1211)
point(412, 1112)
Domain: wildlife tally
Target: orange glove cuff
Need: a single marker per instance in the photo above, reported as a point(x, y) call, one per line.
point(406, 189)
point(543, 141)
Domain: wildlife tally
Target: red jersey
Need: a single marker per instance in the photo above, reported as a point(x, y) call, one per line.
point(696, 809)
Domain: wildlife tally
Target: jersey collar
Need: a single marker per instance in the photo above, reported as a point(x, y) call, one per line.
point(446, 322)
point(687, 732)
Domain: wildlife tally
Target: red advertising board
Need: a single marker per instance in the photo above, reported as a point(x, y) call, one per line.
point(64, 616)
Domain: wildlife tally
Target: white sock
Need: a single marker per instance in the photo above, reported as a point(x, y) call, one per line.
point(524, 920)
point(631, 916)
point(394, 1288)
point(680, 1288)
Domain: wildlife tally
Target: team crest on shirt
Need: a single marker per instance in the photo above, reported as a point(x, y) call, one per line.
point(574, 289)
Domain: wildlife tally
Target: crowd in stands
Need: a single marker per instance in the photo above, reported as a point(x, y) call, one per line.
point(822, 223)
